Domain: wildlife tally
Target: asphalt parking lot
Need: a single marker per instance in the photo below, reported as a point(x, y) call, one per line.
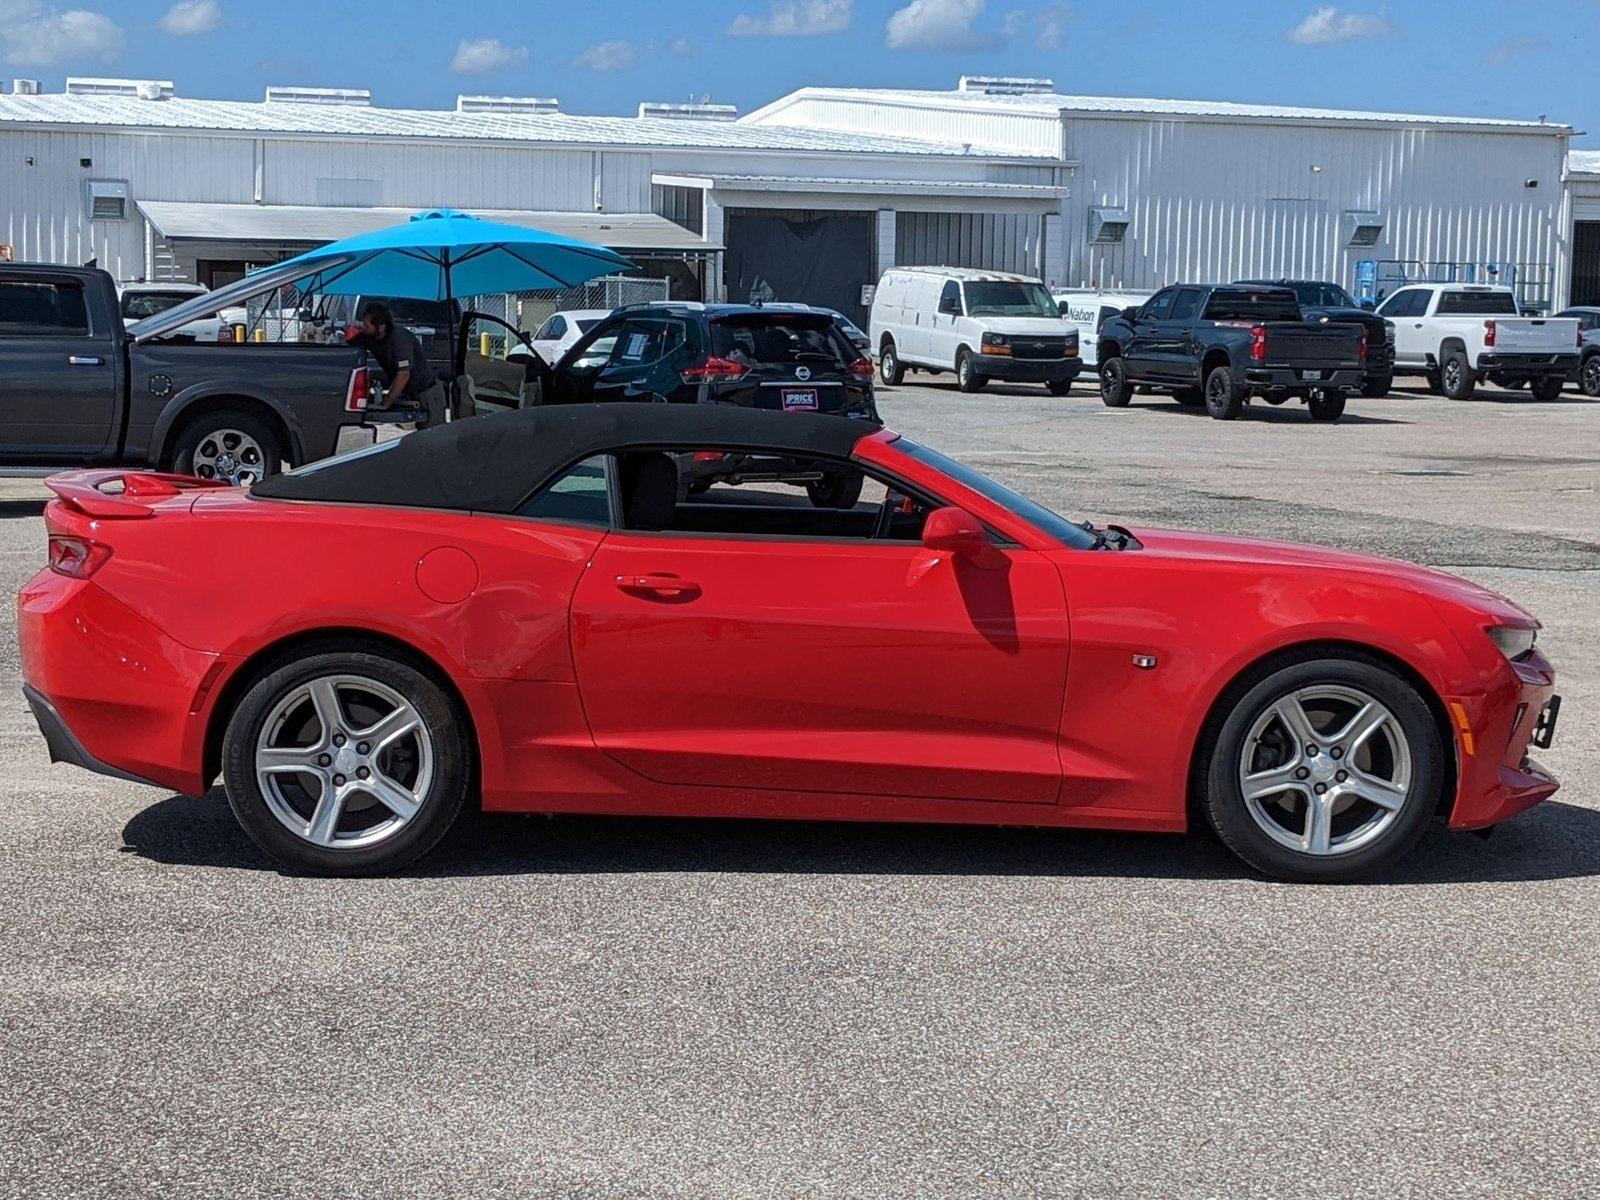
point(609, 1007)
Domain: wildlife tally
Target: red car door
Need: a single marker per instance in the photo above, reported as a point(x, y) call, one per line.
point(824, 665)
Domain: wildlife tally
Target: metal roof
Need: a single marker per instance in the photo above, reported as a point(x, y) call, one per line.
point(810, 183)
point(184, 113)
point(1583, 162)
point(183, 221)
point(1051, 103)
point(964, 274)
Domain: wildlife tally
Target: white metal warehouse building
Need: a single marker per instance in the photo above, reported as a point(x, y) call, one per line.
point(814, 195)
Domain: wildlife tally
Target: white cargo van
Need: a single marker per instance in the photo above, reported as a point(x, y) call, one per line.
point(982, 325)
point(1086, 309)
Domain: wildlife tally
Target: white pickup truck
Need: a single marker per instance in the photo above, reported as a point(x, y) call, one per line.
point(1459, 333)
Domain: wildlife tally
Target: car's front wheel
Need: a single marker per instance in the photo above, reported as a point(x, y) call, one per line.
point(1115, 389)
point(1589, 376)
point(968, 378)
point(1324, 770)
point(346, 762)
point(1546, 389)
point(890, 369)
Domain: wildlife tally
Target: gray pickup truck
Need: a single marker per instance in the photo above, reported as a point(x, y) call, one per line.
point(77, 388)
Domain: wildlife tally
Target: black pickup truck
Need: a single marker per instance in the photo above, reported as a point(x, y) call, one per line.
point(1322, 301)
point(77, 388)
point(1218, 345)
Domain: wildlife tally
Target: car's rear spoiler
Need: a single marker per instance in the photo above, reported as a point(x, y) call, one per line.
point(85, 491)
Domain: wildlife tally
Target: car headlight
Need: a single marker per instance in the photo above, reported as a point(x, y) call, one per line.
point(1514, 643)
point(996, 339)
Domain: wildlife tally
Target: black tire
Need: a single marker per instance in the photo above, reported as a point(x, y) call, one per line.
point(1374, 389)
point(1325, 405)
point(1546, 388)
point(442, 796)
point(835, 491)
point(1115, 390)
point(1435, 384)
point(1190, 397)
point(1456, 377)
point(890, 369)
point(1589, 376)
point(967, 377)
point(1224, 398)
point(1058, 387)
point(1221, 794)
point(238, 447)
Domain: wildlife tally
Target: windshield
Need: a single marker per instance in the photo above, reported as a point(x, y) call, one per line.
point(774, 340)
point(995, 298)
point(136, 306)
point(1036, 515)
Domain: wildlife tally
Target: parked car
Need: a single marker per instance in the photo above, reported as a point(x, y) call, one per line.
point(982, 325)
point(82, 388)
point(763, 357)
point(849, 328)
point(1087, 309)
point(561, 329)
point(1587, 374)
point(1455, 334)
point(1218, 345)
point(143, 299)
point(559, 631)
point(1322, 301)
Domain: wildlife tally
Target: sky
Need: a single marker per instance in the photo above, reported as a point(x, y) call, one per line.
point(1508, 58)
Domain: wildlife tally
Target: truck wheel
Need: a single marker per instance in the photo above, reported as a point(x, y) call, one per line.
point(1546, 388)
point(1373, 389)
point(1325, 405)
point(1058, 387)
point(890, 369)
point(1115, 390)
point(967, 377)
point(1189, 397)
point(1435, 384)
point(1589, 376)
point(238, 448)
point(1223, 398)
point(1456, 377)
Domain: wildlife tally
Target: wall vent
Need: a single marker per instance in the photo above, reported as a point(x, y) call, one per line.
point(25, 87)
point(148, 89)
point(1005, 85)
point(1107, 226)
point(1360, 227)
point(354, 97)
point(107, 199)
point(690, 112)
point(507, 104)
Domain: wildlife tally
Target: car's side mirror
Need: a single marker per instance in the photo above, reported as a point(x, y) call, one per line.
point(951, 308)
point(954, 530)
point(1131, 313)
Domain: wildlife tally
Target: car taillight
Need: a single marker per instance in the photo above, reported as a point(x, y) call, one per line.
point(710, 370)
point(709, 456)
point(1258, 343)
point(75, 557)
point(861, 368)
point(1363, 345)
point(1488, 333)
point(359, 393)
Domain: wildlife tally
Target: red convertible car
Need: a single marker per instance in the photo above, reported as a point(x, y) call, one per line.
point(533, 612)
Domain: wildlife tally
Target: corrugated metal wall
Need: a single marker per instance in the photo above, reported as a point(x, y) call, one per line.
point(1019, 131)
point(1213, 201)
point(998, 241)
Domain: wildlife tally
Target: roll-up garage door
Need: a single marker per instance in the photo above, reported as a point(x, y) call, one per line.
point(1586, 262)
point(809, 256)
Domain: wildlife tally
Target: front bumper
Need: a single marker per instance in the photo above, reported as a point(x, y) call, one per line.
point(1494, 732)
point(1292, 379)
point(1029, 370)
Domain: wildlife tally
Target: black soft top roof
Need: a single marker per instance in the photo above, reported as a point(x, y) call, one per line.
point(491, 464)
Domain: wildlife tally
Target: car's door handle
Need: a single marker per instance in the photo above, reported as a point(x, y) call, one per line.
point(660, 584)
point(85, 360)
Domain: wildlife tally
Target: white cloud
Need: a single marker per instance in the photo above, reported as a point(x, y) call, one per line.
point(936, 25)
point(486, 56)
point(795, 18)
point(191, 18)
point(608, 56)
point(35, 35)
point(682, 47)
point(1518, 45)
point(1326, 25)
point(1041, 28)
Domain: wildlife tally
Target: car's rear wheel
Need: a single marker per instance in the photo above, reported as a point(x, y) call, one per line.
point(1456, 376)
point(1115, 390)
point(1548, 388)
point(835, 491)
point(1324, 770)
point(1374, 389)
point(1589, 376)
point(1224, 399)
point(967, 377)
point(346, 763)
point(236, 448)
point(1326, 405)
point(890, 369)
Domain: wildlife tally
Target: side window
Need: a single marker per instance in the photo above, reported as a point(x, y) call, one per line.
point(595, 352)
point(542, 334)
point(1159, 306)
point(558, 327)
point(1187, 304)
point(581, 495)
point(42, 309)
point(950, 298)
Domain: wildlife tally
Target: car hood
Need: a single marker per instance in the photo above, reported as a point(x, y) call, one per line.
point(1046, 326)
point(1435, 585)
point(1354, 316)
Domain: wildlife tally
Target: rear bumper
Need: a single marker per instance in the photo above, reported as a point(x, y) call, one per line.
point(1528, 366)
point(1028, 370)
point(1337, 379)
point(111, 692)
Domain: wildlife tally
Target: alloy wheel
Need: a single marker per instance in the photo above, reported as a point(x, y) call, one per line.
point(344, 761)
point(1325, 770)
point(1591, 377)
point(231, 456)
point(1452, 374)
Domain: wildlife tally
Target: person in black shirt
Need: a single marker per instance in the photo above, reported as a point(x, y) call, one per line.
point(407, 374)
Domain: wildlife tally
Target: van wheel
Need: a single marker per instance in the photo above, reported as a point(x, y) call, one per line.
point(1326, 405)
point(1548, 388)
point(1223, 399)
point(1456, 377)
point(967, 377)
point(1115, 390)
point(232, 447)
point(1059, 387)
point(890, 369)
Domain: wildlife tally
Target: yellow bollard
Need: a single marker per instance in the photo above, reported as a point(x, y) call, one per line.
point(483, 345)
point(261, 334)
